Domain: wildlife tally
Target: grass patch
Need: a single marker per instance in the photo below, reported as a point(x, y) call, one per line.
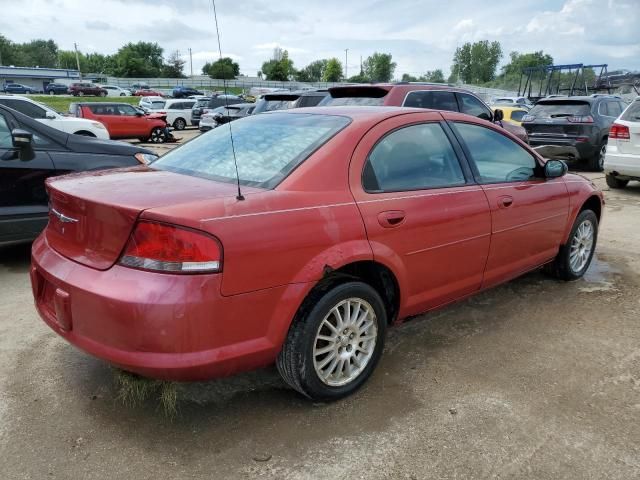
point(61, 103)
point(133, 390)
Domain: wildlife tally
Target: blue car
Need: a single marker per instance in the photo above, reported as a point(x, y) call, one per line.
point(184, 92)
point(17, 88)
point(56, 89)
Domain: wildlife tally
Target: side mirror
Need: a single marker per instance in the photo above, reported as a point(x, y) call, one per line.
point(50, 116)
point(21, 138)
point(555, 169)
point(498, 115)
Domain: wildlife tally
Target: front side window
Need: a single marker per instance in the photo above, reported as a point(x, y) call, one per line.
point(434, 99)
point(267, 148)
point(496, 157)
point(472, 106)
point(5, 133)
point(412, 158)
point(126, 110)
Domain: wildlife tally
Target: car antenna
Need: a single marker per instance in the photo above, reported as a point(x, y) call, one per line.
point(226, 104)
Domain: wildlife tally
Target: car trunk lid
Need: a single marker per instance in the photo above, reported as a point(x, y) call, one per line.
point(93, 214)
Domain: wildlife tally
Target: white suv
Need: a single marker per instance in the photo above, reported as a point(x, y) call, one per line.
point(115, 91)
point(48, 116)
point(179, 112)
point(622, 159)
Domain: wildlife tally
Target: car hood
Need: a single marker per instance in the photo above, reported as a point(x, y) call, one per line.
point(82, 144)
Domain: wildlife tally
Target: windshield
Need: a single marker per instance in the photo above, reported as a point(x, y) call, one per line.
point(157, 105)
point(267, 148)
point(560, 109)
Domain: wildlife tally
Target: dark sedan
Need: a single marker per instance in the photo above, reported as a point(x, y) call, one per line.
point(56, 89)
point(18, 88)
point(30, 152)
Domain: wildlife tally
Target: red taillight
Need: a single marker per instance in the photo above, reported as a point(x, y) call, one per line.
point(166, 248)
point(580, 119)
point(620, 132)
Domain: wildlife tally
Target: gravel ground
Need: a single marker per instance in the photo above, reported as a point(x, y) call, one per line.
point(534, 379)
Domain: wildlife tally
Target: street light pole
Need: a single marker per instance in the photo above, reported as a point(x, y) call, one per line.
point(346, 68)
point(191, 61)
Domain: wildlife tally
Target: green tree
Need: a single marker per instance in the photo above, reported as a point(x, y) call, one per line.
point(379, 67)
point(314, 72)
point(67, 59)
point(41, 53)
point(280, 67)
point(174, 66)
point(409, 78)
point(360, 78)
point(476, 62)
point(224, 68)
point(434, 76)
point(142, 59)
point(524, 60)
point(8, 52)
point(333, 72)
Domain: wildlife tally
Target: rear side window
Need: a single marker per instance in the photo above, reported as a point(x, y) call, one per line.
point(610, 109)
point(310, 100)
point(472, 106)
point(517, 115)
point(267, 148)
point(496, 157)
point(632, 113)
point(412, 158)
point(432, 99)
point(101, 109)
point(28, 108)
point(566, 108)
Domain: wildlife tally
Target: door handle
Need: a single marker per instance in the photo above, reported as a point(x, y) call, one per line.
point(505, 201)
point(391, 218)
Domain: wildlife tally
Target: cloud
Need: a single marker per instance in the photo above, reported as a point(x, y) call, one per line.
point(97, 25)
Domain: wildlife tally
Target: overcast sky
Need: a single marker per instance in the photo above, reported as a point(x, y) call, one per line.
point(420, 34)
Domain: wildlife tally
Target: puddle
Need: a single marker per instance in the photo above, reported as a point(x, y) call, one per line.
point(599, 277)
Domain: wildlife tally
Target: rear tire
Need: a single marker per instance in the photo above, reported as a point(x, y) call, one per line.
point(574, 258)
point(596, 163)
point(179, 124)
point(614, 182)
point(335, 341)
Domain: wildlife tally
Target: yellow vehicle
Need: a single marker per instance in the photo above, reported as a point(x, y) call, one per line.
point(511, 114)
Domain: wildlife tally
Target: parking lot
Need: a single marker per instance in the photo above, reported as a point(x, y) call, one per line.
point(534, 379)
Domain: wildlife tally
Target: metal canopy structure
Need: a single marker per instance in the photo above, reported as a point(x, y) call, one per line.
point(571, 79)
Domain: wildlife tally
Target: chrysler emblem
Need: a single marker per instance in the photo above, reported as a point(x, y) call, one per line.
point(62, 217)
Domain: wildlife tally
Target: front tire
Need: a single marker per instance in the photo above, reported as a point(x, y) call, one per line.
point(574, 258)
point(335, 341)
point(614, 182)
point(596, 163)
point(157, 136)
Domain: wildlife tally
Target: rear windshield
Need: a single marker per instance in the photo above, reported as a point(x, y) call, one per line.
point(267, 148)
point(157, 104)
point(517, 115)
point(566, 108)
point(273, 105)
point(632, 113)
point(202, 102)
point(367, 96)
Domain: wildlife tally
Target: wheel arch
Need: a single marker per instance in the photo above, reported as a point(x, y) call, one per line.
point(85, 133)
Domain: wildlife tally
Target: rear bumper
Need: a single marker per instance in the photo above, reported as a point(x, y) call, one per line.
point(563, 147)
point(175, 327)
point(621, 164)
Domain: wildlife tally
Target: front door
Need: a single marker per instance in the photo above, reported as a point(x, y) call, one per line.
point(424, 216)
point(23, 199)
point(528, 212)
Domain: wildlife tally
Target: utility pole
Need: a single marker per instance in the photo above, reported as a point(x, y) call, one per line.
point(360, 64)
point(75, 46)
point(346, 68)
point(191, 61)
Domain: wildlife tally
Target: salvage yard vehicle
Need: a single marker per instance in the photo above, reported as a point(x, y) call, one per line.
point(42, 113)
point(86, 88)
point(124, 121)
point(31, 152)
point(116, 91)
point(56, 89)
point(575, 128)
point(222, 115)
point(181, 91)
point(622, 160)
point(303, 244)
point(18, 88)
point(178, 112)
point(152, 103)
point(419, 95)
point(196, 111)
point(147, 92)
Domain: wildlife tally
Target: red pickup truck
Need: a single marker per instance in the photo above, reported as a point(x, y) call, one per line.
point(125, 121)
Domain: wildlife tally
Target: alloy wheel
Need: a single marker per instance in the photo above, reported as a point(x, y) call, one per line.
point(581, 246)
point(345, 342)
point(157, 136)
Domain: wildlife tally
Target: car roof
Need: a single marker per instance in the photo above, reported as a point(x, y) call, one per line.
point(354, 112)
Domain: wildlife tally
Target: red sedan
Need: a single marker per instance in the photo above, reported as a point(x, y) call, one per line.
point(349, 220)
point(147, 92)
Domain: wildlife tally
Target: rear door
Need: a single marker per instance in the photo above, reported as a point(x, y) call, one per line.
point(423, 214)
point(529, 213)
point(631, 119)
point(23, 199)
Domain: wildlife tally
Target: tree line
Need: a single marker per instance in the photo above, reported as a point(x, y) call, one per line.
point(473, 63)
